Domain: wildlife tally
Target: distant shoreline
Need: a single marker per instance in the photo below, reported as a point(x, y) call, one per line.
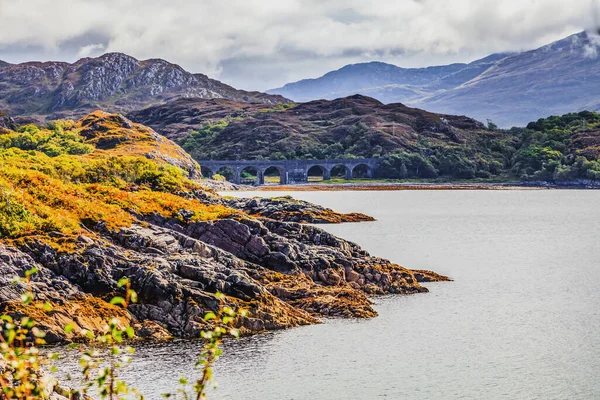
point(366, 186)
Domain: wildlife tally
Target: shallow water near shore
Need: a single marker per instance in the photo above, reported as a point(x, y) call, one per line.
point(520, 321)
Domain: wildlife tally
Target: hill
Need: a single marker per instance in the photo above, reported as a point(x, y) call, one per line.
point(113, 82)
point(510, 89)
point(413, 143)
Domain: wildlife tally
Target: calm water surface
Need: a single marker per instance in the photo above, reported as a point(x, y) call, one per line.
point(520, 321)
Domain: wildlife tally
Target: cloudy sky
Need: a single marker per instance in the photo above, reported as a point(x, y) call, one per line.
point(261, 44)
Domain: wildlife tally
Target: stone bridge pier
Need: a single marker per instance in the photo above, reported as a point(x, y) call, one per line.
point(291, 171)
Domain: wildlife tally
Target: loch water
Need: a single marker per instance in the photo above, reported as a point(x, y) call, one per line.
point(521, 320)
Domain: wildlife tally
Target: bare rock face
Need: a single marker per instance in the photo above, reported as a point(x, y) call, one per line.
point(284, 208)
point(6, 122)
point(175, 278)
point(308, 267)
point(70, 305)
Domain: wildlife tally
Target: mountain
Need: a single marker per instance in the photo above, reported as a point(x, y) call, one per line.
point(510, 89)
point(113, 82)
point(386, 82)
point(412, 143)
point(555, 79)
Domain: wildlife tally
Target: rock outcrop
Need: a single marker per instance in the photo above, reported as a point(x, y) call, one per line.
point(286, 208)
point(6, 122)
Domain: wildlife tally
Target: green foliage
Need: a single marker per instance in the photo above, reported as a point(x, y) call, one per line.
point(124, 170)
point(403, 171)
point(548, 152)
point(411, 165)
point(278, 108)
point(24, 368)
point(198, 139)
point(21, 365)
point(101, 362)
point(222, 325)
point(491, 125)
point(41, 193)
point(58, 138)
point(245, 174)
point(14, 216)
point(565, 122)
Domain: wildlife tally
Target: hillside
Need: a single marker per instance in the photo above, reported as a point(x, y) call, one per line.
point(413, 143)
point(510, 89)
point(90, 202)
point(561, 77)
point(356, 126)
point(113, 82)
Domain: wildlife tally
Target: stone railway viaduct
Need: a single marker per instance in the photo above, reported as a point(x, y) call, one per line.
point(291, 171)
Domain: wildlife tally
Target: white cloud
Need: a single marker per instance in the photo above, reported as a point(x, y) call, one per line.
point(91, 50)
point(258, 44)
point(591, 50)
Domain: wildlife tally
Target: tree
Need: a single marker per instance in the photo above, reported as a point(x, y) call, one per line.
point(403, 171)
point(491, 125)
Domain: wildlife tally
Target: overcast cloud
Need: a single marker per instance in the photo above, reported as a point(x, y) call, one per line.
point(261, 44)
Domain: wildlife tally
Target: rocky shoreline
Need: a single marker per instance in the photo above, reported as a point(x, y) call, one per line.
point(285, 273)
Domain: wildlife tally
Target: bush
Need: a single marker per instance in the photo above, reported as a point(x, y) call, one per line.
point(23, 375)
point(53, 141)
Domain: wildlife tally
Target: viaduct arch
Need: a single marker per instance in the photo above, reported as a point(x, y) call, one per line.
point(291, 171)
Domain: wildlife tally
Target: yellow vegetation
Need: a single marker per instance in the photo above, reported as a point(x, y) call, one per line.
point(76, 185)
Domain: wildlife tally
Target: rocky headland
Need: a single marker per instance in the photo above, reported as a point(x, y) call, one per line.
point(143, 215)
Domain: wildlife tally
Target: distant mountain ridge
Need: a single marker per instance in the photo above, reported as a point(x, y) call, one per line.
point(384, 80)
point(555, 79)
point(509, 88)
point(113, 82)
